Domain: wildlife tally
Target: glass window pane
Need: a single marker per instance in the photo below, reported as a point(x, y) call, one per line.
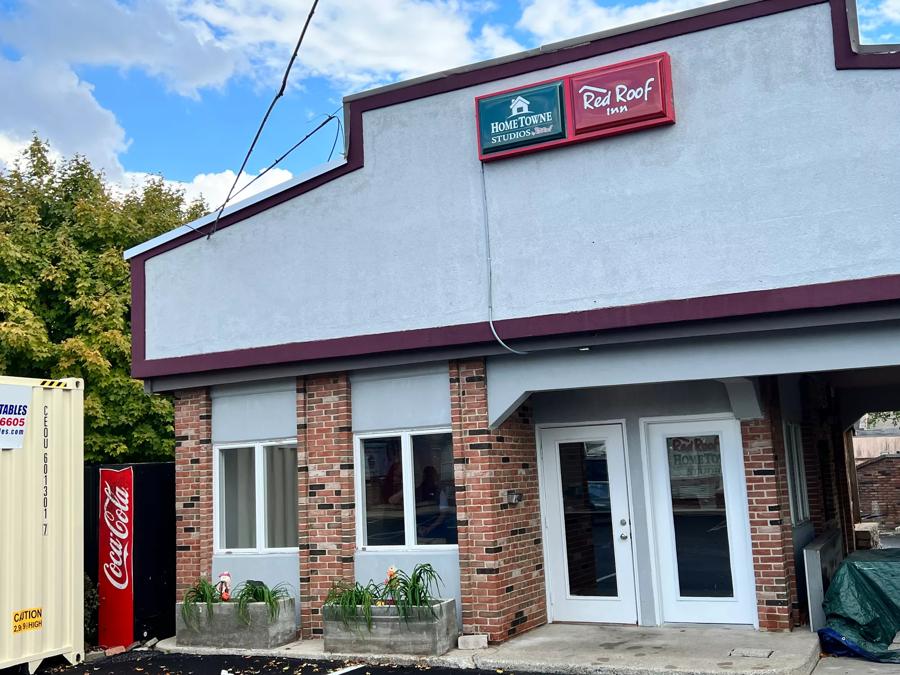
point(589, 529)
point(801, 459)
point(698, 512)
point(281, 496)
point(791, 457)
point(435, 489)
point(383, 498)
point(237, 497)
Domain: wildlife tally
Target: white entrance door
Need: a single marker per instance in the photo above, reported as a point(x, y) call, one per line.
point(587, 528)
point(701, 522)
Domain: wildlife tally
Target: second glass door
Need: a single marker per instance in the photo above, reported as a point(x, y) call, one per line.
point(700, 516)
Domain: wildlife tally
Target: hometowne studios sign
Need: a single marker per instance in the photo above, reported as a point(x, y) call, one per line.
point(591, 104)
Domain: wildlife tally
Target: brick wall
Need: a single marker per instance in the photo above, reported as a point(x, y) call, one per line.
point(500, 548)
point(325, 491)
point(821, 477)
point(770, 515)
point(193, 487)
point(879, 490)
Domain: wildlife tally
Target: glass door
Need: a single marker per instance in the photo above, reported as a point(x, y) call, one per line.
point(587, 525)
point(702, 527)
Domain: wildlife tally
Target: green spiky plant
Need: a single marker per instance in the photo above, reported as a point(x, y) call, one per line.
point(404, 591)
point(257, 591)
point(201, 592)
point(354, 601)
point(413, 590)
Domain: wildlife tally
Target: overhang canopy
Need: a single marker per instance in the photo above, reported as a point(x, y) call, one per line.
point(511, 379)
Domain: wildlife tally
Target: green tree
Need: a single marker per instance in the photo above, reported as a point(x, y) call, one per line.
point(65, 293)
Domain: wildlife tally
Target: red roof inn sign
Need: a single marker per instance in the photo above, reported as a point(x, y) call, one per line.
point(592, 104)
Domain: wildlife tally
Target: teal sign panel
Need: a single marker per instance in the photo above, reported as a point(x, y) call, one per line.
point(522, 117)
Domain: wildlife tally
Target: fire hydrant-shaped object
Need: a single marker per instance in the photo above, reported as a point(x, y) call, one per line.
point(224, 586)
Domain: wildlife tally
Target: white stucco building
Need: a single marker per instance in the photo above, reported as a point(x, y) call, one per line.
point(591, 355)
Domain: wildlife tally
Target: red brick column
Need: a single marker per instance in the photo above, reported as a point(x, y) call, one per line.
point(770, 516)
point(303, 540)
point(193, 487)
point(879, 489)
point(500, 548)
point(820, 454)
point(326, 501)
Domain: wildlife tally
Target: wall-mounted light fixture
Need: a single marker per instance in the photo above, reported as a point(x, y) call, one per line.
point(513, 497)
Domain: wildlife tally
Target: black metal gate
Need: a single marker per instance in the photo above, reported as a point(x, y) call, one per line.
point(154, 543)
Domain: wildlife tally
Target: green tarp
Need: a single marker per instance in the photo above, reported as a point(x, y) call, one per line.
point(862, 605)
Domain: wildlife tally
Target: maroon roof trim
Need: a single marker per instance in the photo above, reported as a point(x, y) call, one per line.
point(549, 325)
point(844, 56)
point(355, 108)
point(823, 295)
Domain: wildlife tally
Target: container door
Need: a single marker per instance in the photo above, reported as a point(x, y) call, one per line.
point(587, 525)
point(701, 522)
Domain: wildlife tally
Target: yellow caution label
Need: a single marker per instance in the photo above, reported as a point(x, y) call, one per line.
point(24, 620)
point(54, 384)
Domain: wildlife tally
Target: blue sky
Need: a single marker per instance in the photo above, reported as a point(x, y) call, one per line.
point(177, 87)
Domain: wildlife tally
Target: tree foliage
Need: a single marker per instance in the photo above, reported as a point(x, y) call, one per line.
point(65, 293)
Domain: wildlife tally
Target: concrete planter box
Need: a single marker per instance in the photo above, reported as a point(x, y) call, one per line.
point(422, 633)
point(224, 628)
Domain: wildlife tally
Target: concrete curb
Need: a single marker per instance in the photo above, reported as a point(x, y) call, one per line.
point(488, 659)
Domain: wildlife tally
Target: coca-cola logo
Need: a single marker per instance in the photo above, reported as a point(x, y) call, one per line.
point(116, 516)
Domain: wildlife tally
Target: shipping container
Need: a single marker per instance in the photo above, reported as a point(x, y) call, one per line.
point(41, 520)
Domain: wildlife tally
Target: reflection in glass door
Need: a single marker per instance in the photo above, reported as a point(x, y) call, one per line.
point(587, 527)
point(584, 473)
point(699, 516)
point(702, 527)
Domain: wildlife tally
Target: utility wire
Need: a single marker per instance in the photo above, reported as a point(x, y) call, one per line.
point(490, 265)
point(337, 131)
point(284, 155)
point(281, 90)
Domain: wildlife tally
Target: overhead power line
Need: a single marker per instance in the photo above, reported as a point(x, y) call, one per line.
point(296, 145)
point(281, 90)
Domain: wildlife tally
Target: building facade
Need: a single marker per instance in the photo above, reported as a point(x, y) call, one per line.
point(583, 328)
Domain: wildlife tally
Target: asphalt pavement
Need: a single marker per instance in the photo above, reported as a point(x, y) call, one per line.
point(155, 663)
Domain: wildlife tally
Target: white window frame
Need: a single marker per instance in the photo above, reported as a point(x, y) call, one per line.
point(259, 471)
point(795, 461)
point(409, 489)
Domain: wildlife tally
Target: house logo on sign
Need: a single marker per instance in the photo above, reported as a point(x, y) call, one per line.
point(519, 106)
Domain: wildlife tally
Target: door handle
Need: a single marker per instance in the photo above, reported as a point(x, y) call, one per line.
point(623, 536)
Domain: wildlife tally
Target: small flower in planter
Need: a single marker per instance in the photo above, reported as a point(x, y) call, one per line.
point(224, 586)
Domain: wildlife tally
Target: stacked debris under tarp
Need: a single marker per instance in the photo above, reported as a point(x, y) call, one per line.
point(862, 606)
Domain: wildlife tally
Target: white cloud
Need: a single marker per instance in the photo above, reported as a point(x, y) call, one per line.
point(144, 34)
point(891, 10)
point(192, 45)
point(211, 187)
point(879, 21)
point(495, 41)
point(47, 97)
point(553, 20)
point(355, 43)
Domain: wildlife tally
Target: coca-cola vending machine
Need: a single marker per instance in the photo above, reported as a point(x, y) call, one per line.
point(133, 507)
point(115, 624)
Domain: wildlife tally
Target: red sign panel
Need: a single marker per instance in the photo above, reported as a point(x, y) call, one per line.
point(601, 102)
point(624, 95)
point(116, 612)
